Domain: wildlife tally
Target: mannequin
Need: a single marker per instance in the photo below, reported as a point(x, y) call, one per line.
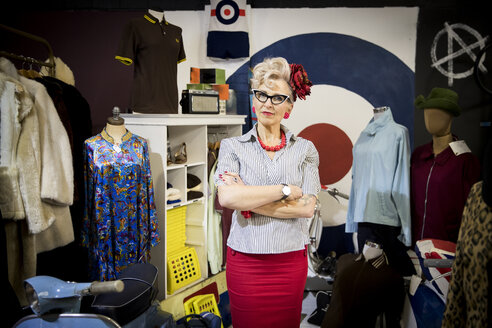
point(154, 48)
point(371, 250)
point(379, 202)
point(442, 171)
point(118, 188)
point(364, 289)
point(378, 111)
point(115, 126)
point(159, 14)
point(438, 124)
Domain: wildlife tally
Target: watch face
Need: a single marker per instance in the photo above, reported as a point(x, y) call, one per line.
point(286, 190)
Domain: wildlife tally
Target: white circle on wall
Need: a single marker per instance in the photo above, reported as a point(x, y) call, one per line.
point(347, 111)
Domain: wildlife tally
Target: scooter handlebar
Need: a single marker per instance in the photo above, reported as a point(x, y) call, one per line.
point(438, 263)
point(102, 287)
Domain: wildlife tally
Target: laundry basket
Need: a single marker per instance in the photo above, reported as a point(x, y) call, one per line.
point(176, 229)
point(202, 303)
point(182, 269)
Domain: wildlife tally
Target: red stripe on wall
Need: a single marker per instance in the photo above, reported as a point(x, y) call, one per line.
point(212, 12)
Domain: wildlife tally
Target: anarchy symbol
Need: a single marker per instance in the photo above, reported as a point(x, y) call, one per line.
point(468, 49)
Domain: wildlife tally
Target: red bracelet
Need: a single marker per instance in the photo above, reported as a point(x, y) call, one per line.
point(246, 214)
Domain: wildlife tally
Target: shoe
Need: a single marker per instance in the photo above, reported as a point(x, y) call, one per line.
point(180, 156)
point(169, 154)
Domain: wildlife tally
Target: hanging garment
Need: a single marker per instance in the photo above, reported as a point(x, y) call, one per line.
point(155, 48)
point(468, 299)
point(15, 103)
point(62, 71)
point(45, 159)
point(79, 128)
point(228, 30)
point(440, 185)
point(380, 191)
point(120, 225)
point(44, 166)
point(56, 170)
point(214, 228)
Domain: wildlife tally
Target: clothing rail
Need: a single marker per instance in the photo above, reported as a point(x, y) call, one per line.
point(51, 59)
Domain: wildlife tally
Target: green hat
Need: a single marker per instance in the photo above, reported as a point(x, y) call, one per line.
point(440, 98)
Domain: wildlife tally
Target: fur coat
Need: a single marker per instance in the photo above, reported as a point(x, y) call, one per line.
point(45, 178)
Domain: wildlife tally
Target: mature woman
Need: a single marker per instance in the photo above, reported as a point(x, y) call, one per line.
point(270, 178)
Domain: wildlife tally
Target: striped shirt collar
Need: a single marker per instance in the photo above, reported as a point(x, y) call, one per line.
point(252, 134)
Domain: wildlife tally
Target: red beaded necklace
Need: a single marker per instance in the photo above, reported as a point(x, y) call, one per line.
point(274, 148)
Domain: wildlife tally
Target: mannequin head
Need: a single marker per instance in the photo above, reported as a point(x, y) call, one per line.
point(437, 121)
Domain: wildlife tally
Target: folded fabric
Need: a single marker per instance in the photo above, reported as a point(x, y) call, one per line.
point(172, 192)
point(174, 197)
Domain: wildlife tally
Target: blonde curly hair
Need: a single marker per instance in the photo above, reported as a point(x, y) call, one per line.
point(270, 70)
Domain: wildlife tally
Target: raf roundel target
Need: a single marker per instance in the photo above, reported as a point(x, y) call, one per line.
point(227, 12)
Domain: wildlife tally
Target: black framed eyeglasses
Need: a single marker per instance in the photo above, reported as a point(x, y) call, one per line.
point(263, 97)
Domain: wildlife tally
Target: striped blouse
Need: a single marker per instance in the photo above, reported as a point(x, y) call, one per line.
point(295, 164)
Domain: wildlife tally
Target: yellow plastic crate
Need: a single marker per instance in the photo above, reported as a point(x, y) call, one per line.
point(177, 213)
point(201, 303)
point(175, 229)
point(182, 269)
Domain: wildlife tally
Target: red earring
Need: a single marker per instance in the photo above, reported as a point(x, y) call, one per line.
point(286, 115)
point(254, 109)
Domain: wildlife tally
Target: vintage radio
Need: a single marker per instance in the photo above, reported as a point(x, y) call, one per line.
point(199, 102)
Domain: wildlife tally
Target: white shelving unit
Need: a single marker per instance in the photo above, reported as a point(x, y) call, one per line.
point(193, 130)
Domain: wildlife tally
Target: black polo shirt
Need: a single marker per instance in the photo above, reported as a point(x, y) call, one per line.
point(155, 49)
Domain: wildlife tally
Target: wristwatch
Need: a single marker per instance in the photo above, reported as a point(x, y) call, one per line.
point(285, 191)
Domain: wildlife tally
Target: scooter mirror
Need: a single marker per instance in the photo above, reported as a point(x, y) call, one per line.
point(46, 293)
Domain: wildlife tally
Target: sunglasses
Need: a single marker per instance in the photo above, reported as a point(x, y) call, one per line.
point(263, 97)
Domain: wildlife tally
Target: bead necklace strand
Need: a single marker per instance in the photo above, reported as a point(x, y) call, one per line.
point(274, 148)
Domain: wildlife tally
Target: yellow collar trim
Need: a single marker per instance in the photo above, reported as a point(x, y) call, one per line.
point(110, 139)
point(150, 19)
point(153, 21)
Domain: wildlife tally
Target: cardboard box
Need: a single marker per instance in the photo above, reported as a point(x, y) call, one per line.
point(207, 75)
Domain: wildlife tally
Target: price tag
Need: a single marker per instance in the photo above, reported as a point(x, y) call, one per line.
point(459, 147)
point(414, 284)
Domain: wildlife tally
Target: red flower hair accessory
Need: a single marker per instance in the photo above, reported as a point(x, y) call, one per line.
point(299, 81)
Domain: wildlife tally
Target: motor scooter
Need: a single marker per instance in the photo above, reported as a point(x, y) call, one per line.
point(128, 302)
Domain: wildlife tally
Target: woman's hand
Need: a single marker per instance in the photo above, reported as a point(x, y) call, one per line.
point(231, 178)
point(295, 193)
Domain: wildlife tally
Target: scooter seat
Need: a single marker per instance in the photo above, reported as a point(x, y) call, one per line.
point(140, 290)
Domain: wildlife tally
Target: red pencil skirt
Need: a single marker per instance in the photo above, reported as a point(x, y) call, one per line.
point(266, 290)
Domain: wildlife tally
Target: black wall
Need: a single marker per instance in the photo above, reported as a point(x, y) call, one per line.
point(475, 103)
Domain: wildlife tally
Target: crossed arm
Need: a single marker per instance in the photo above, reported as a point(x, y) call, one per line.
point(265, 200)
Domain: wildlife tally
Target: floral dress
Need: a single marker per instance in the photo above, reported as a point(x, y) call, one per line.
point(119, 225)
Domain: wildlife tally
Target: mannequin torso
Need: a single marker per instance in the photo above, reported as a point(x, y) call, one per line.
point(116, 132)
point(157, 14)
point(371, 250)
point(378, 111)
